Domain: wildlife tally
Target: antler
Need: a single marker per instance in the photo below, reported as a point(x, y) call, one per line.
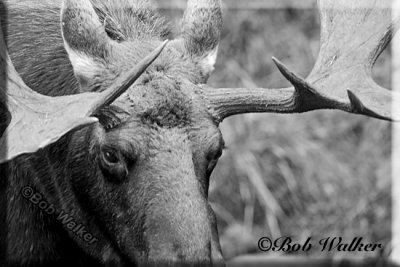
point(34, 120)
point(353, 35)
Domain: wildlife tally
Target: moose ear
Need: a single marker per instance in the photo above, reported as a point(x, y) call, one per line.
point(85, 40)
point(207, 62)
point(201, 30)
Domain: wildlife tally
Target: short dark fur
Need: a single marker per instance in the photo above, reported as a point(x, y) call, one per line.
point(151, 205)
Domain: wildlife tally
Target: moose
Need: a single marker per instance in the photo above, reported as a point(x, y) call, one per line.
point(109, 132)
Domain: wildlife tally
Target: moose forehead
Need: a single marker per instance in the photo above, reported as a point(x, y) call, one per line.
point(162, 101)
point(160, 106)
point(166, 94)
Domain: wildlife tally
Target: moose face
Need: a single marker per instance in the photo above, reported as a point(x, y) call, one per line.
point(147, 174)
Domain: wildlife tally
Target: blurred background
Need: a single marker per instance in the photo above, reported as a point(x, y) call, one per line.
point(317, 174)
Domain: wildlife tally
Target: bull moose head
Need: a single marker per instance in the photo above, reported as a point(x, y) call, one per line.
point(130, 156)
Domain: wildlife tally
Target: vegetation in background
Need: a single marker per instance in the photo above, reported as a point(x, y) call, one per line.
point(318, 174)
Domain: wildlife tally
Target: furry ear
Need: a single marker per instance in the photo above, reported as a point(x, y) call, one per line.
point(207, 62)
point(85, 40)
point(201, 30)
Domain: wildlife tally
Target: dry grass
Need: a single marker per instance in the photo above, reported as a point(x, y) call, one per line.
point(324, 173)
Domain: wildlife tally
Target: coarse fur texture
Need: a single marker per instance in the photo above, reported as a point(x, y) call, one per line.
point(138, 179)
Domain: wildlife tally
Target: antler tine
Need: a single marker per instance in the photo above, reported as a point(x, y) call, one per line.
point(353, 35)
point(34, 121)
point(124, 82)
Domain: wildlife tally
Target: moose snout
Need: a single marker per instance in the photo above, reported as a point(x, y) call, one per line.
point(173, 251)
point(183, 240)
point(182, 231)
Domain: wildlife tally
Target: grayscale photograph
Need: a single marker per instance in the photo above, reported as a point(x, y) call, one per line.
point(232, 133)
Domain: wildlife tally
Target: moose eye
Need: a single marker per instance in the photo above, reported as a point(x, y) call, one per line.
point(212, 161)
point(215, 155)
point(113, 165)
point(218, 154)
point(111, 156)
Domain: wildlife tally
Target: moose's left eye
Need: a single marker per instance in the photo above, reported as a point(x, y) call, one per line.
point(215, 155)
point(213, 160)
point(218, 154)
